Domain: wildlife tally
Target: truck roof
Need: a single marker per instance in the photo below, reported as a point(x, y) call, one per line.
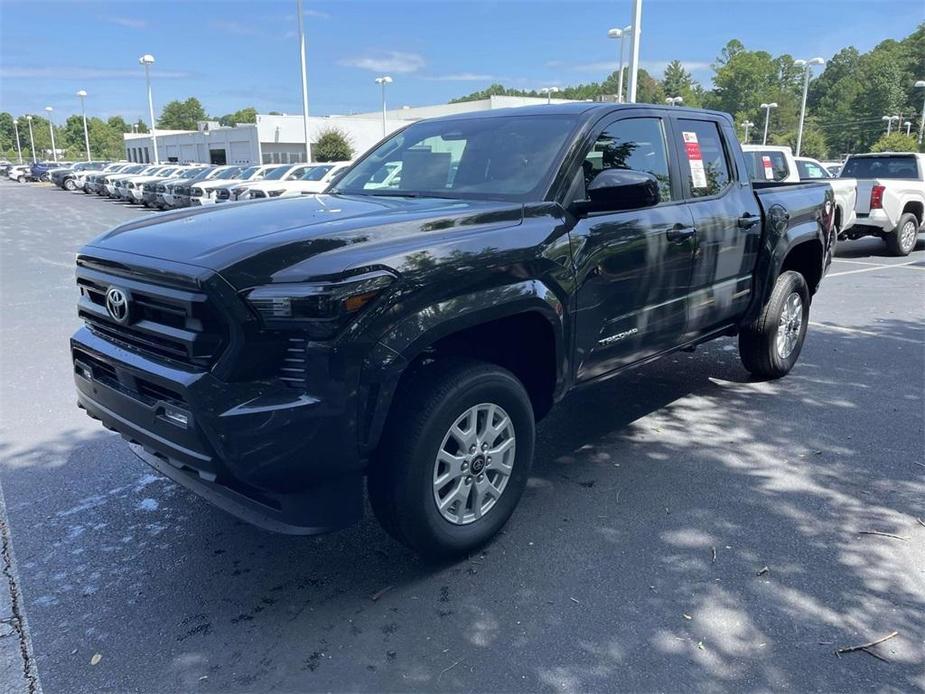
point(583, 108)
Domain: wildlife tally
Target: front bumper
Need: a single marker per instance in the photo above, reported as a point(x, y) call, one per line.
point(272, 455)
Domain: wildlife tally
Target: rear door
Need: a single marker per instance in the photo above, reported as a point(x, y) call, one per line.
point(727, 218)
point(633, 266)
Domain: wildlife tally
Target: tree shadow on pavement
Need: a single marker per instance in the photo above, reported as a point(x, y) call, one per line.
point(634, 562)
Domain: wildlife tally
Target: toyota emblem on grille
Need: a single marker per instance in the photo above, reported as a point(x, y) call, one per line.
point(117, 304)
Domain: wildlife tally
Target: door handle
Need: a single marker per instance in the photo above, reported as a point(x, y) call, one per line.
point(747, 221)
point(679, 233)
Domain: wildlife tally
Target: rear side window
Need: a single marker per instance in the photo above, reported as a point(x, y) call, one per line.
point(704, 157)
point(881, 167)
point(632, 143)
point(767, 165)
point(810, 169)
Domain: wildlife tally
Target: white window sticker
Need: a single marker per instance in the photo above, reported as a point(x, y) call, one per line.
point(768, 169)
point(694, 160)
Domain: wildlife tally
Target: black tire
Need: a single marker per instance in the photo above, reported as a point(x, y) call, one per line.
point(400, 480)
point(898, 243)
point(21, 179)
point(70, 184)
point(758, 343)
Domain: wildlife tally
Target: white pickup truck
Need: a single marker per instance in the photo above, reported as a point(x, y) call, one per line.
point(775, 163)
point(891, 197)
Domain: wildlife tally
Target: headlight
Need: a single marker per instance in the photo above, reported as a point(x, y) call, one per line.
point(275, 193)
point(321, 308)
point(196, 192)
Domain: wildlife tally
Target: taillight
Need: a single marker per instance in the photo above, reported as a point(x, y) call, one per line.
point(876, 198)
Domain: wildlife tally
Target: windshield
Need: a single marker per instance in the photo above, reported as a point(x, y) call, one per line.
point(881, 167)
point(316, 173)
point(248, 172)
point(501, 158)
point(766, 165)
point(277, 173)
point(228, 173)
point(192, 173)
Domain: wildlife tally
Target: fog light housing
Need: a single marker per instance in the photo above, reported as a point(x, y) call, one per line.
point(176, 416)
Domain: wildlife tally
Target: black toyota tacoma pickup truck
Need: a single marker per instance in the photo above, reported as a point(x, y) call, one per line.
point(409, 327)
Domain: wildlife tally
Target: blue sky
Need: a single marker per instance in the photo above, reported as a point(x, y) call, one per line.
point(232, 54)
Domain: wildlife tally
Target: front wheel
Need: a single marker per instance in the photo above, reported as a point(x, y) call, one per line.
point(770, 346)
point(69, 184)
point(454, 459)
point(904, 237)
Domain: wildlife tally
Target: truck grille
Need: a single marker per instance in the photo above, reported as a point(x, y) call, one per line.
point(294, 368)
point(179, 324)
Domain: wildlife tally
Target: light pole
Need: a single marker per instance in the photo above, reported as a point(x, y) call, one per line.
point(308, 144)
point(51, 129)
point(674, 100)
point(634, 52)
point(889, 122)
point(82, 94)
point(807, 69)
point(148, 60)
point(908, 125)
point(767, 117)
point(18, 147)
point(620, 34)
point(549, 91)
point(382, 81)
point(747, 124)
point(920, 84)
point(31, 139)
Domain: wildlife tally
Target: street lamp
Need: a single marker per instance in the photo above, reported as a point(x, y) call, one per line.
point(18, 148)
point(747, 124)
point(674, 100)
point(382, 81)
point(31, 139)
point(767, 117)
point(51, 129)
point(920, 84)
point(807, 69)
point(308, 144)
point(908, 125)
point(82, 94)
point(148, 60)
point(620, 34)
point(549, 91)
point(889, 122)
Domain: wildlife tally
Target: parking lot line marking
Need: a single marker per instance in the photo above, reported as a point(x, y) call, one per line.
point(857, 262)
point(866, 333)
point(878, 267)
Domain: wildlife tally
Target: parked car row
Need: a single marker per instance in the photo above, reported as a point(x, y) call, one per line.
point(877, 194)
point(173, 185)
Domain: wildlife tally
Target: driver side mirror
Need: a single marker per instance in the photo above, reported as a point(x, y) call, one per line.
point(615, 190)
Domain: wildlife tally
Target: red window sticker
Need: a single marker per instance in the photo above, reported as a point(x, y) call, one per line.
point(768, 169)
point(694, 159)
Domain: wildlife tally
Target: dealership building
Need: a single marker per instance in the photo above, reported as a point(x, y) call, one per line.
point(280, 139)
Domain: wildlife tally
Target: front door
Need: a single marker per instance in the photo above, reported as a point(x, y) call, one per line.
point(633, 266)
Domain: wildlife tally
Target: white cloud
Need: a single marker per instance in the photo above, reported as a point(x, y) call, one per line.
point(127, 22)
point(229, 26)
point(389, 61)
point(82, 73)
point(466, 77)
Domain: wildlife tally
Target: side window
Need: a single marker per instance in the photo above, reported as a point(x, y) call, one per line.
point(634, 143)
point(706, 162)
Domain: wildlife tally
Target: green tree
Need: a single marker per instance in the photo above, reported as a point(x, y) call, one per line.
point(182, 115)
point(813, 145)
point(245, 115)
point(332, 145)
point(679, 82)
point(895, 142)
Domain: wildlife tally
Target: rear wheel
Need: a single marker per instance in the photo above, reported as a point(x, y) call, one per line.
point(904, 237)
point(454, 459)
point(770, 347)
point(21, 179)
point(69, 184)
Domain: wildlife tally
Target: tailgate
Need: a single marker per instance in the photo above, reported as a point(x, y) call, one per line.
point(862, 206)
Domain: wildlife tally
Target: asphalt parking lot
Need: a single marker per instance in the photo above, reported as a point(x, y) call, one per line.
point(685, 528)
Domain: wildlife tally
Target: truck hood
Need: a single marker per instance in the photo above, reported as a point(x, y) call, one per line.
point(292, 239)
point(212, 183)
